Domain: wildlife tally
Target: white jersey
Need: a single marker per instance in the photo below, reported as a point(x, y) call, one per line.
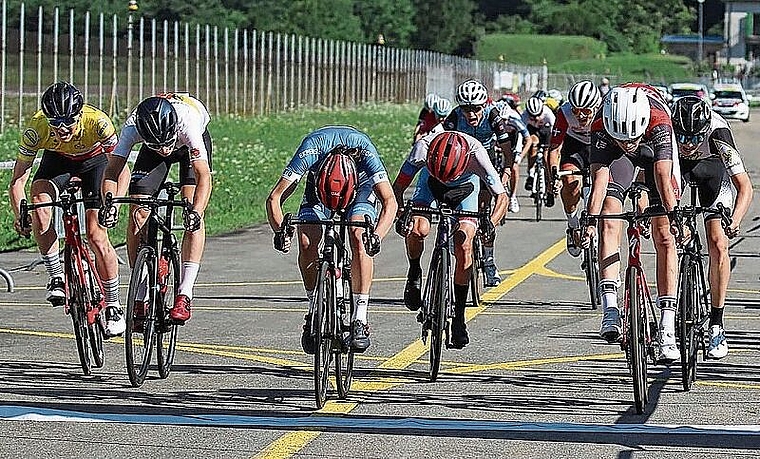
point(192, 119)
point(545, 118)
point(719, 143)
point(569, 125)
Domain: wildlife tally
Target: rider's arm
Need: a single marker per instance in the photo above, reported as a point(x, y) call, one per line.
point(112, 174)
point(16, 191)
point(202, 186)
point(662, 145)
point(600, 175)
point(388, 213)
point(744, 194)
point(499, 208)
point(279, 194)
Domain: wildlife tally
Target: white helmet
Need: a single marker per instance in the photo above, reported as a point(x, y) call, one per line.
point(584, 94)
point(556, 95)
point(534, 106)
point(471, 92)
point(442, 107)
point(626, 113)
point(430, 100)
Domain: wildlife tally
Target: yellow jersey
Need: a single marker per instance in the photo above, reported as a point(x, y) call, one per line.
point(94, 134)
point(552, 103)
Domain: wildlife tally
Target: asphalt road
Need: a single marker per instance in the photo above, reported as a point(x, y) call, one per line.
point(535, 381)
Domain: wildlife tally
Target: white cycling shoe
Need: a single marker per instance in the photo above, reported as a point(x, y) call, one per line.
point(669, 352)
point(718, 345)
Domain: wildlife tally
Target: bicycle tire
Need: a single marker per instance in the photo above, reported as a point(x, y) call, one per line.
point(476, 274)
point(76, 307)
point(344, 358)
point(168, 289)
point(637, 341)
point(538, 197)
point(438, 316)
point(94, 298)
point(591, 266)
point(321, 333)
point(140, 334)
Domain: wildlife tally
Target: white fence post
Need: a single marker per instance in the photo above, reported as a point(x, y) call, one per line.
point(21, 69)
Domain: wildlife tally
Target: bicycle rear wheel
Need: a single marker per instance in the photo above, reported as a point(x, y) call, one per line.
point(689, 297)
point(477, 279)
point(141, 320)
point(168, 288)
point(77, 302)
point(591, 267)
point(344, 361)
point(538, 197)
point(321, 330)
point(438, 312)
point(637, 341)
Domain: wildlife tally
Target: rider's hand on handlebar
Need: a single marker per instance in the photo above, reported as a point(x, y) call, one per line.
point(488, 230)
point(282, 241)
point(192, 220)
point(732, 230)
point(23, 228)
point(371, 243)
point(588, 234)
point(403, 225)
point(108, 216)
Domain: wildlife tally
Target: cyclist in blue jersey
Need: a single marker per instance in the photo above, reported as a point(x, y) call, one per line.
point(453, 167)
point(478, 118)
point(373, 186)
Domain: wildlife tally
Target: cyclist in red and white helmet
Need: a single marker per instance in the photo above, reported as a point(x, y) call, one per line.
point(438, 112)
point(633, 130)
point(329, 158)
point(570, 146)
point(452, 166)
point(480, 118)
point(427, 117)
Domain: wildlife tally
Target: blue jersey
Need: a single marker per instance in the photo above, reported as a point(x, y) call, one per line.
point(490, 126)
point(315, 146)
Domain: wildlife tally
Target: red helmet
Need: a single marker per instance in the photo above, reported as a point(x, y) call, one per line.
point(448, 156)
point(337, 180)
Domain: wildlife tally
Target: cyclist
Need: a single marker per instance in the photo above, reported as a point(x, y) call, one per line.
point(709, 157)
point(478, 118)
point(373, 185)
point(453, 166)
point(427, 117)
point(540, 120)
point(633, 130)
point(75, 139)
point(440, 109)
point(554, 100)
point(570, 144)
point(512, 99)
point(513, 118)
point(172, 129)
point(604, 86)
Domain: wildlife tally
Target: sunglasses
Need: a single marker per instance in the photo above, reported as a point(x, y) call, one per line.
point(690, 139)
point(584, 112)
point(66, 121)
point(472, 108)
point(158, 146)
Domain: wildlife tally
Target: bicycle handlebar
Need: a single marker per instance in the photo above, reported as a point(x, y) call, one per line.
point(410, 209)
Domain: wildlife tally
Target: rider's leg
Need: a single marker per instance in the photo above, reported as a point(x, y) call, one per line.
point(720, 272)
point(571, 196)
point(415, 245)
point(609, 269)
point(45, 235)
point(462, 273)
point(667, 274)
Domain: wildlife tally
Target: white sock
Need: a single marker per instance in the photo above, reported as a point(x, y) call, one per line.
point(609, 290)
point(361, 301)
point(111, 291)
point(189, 274)
point(53, 264)
point(667, 305)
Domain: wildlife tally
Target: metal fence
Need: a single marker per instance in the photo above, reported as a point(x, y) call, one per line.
point(117, 62)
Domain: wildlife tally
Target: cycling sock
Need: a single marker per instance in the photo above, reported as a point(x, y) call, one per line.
point(609, 288)
point(460, 295)
point(53, 264)
point(361, 301)
point(716, 316)
point(572, 219)
point(111, 291)
point(189, 274)
point(414, 268)
point(667, 305)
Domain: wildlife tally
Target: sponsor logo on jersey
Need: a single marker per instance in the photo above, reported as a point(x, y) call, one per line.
point(727, 152)
point(103, 128)
point(31, 137)
point(195, 153)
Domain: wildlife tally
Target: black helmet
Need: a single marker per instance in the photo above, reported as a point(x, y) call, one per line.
point(691, 116)
point(62, 101)
point(540, 94)
point(156, 122)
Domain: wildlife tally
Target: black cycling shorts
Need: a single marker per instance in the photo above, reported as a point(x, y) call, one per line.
point(59, 169)
point(574, 152)
point(712, 181)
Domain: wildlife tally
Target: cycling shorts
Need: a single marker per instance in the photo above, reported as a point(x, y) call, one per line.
point(151, 169)
point(544, 133)
point(623, 172)
point(312, 209)
point(424, 196)
point(59, 169)
point(574, 152)
point(713, 183)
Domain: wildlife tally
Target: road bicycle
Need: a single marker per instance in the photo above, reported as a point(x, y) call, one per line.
point(639, 336)
point(590, 263)
point(333, 306)
point(153, 286)
point(538, 193)
point(438, 298)
point(693, 291)
point(84, 297)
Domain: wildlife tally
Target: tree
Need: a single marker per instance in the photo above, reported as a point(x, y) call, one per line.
point(391, 18)
point(446, 26)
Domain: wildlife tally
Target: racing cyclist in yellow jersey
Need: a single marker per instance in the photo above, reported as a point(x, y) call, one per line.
point(75, 139)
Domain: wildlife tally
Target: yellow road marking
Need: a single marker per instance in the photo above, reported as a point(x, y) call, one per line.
point(527, 363)
point(728, 385)
point(546, 272)
point(292, 442)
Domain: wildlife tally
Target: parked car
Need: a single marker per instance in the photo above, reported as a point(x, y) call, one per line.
point(730, 101)
point(678, 90)
point(664, 92)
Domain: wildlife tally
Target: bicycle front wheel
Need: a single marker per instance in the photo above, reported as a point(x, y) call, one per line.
point(168, 288)
point(476, 284)
point(591, 267)
point(322, 316)
point(438, 312)
point(94, 299)
point(344, 361)
point(77, 304)
point(538, 198)
point(688, 302)
point(637, 338)
point(141, 316)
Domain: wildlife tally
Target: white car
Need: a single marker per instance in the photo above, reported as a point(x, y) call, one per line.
point(730, 101)
point(678, 90)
